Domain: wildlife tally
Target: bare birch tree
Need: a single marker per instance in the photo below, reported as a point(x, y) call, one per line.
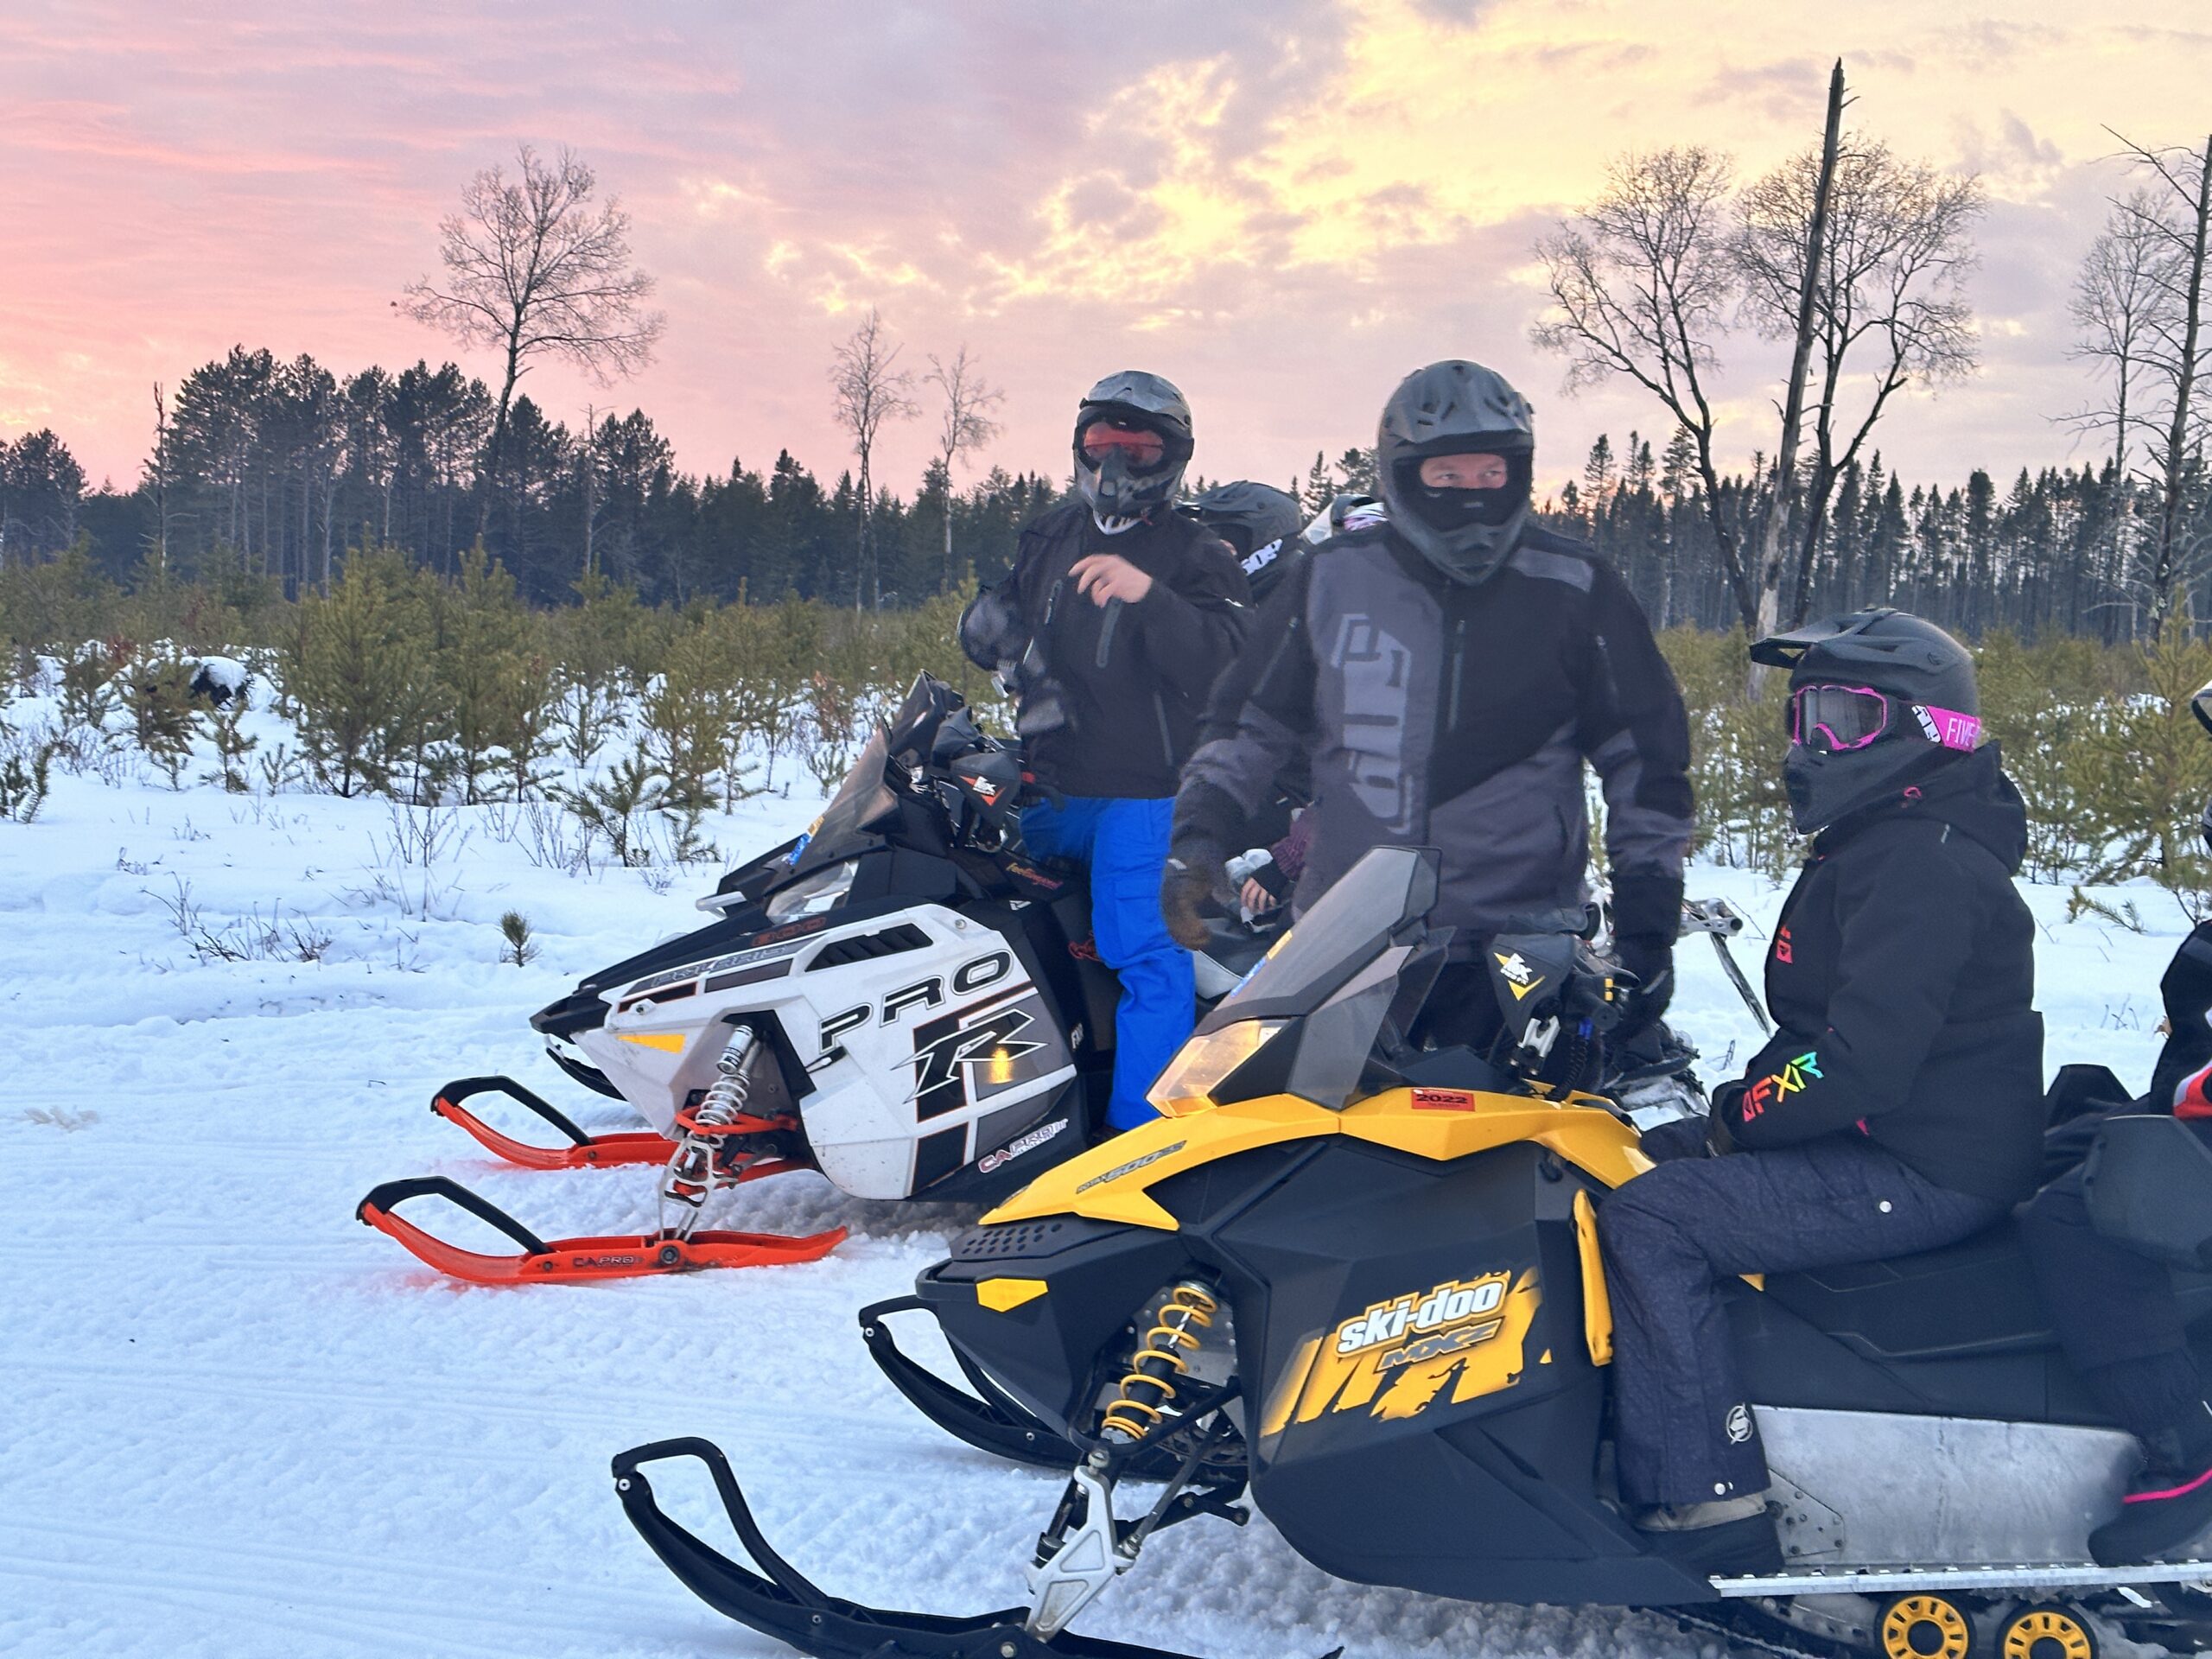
point(964, 426)
point(869, 389)
point(1643, 281)
point(1888, 303)
point(2176, 215)
point(2117, 295)
point(533, 267)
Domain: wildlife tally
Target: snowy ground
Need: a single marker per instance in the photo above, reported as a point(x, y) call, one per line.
point(239, 1424)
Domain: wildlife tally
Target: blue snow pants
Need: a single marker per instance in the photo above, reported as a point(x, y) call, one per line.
point(1123, 843)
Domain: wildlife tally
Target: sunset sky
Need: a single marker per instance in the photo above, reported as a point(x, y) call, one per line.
point(1283, 207)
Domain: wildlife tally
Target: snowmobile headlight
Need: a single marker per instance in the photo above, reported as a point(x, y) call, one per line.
point(810, 895)
point(1188, 1084)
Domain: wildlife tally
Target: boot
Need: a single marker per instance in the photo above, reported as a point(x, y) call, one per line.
point(2169, 1503)
point(1728, 1538)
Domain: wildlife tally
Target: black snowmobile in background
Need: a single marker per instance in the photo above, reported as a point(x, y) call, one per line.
point(899, 999)
point(1358, 1284)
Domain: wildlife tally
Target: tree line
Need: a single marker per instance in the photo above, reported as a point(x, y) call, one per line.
point(1853, 257)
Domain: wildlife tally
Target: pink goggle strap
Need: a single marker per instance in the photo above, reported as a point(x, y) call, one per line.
point(1948, 727)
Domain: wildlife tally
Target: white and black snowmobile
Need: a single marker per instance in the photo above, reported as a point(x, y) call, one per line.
point(1358, 1284)
point(899, 999)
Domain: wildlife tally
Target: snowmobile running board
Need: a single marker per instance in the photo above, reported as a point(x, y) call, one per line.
point(786, 1606)
point(1883, 1581)
point(583, 1151)
point(573, 1260)
point(989, 1420)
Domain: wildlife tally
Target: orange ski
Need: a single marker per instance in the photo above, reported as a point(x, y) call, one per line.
point(578, 1260)
point(583, 1151)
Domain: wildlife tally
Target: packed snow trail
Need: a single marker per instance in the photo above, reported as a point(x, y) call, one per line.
point(240, 1425)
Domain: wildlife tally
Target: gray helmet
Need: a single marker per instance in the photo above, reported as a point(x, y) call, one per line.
point(1259, 522)
point(1114, 484)
point(1450, 409)
point(1924, 681)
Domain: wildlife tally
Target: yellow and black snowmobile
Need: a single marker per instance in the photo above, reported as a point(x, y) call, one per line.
point(1360, 1281)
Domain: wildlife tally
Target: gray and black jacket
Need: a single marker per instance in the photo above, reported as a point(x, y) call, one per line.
point(1459, 717)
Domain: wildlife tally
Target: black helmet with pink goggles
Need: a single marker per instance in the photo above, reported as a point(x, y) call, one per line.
point(1873, 696)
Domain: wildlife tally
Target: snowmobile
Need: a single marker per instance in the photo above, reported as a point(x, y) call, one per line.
point(898, 998)
point(1356, 1283)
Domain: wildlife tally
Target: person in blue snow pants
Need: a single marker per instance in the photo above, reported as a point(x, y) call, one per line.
point(1110, 628)
point(1123, 843)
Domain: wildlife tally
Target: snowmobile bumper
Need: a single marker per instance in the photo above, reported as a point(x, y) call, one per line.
point(784, 1605)
point(573, 1260)
point(990, 1420)
point(583, 1151)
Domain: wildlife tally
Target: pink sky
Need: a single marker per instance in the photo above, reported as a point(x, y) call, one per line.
point(1283, 206)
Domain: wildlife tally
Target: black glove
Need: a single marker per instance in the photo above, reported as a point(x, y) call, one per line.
point(1652, 962)
point(1189, 878)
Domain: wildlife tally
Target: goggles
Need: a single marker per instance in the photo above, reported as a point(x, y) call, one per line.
point(1141, 450)
point(1839, 719)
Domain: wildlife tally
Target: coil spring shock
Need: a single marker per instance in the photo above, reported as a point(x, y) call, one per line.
point(1149, 1384)
point(691, 1173)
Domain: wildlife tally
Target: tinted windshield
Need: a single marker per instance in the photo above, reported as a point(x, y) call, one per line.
point(1348, 927)
point(864, 800)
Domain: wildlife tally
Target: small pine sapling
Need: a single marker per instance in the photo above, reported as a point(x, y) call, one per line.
point(522, 947)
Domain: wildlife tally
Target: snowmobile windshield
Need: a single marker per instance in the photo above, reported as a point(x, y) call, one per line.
point(1347, 929)
point(864, 800)
point(1305, 1022)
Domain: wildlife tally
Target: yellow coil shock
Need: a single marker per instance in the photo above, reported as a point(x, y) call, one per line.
point(1149, 1384)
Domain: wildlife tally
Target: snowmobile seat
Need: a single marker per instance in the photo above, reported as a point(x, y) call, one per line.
point(2148, 1184)
point(1960, 1329)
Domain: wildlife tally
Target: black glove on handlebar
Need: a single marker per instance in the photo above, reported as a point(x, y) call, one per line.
point(1652, 962)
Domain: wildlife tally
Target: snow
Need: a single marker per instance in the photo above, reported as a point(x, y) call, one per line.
point(239, 1424)
point(225, 672)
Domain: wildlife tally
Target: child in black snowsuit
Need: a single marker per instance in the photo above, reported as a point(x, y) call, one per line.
point(2114, 1309)
point(1899, 1106)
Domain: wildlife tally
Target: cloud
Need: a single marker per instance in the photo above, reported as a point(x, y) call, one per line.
point(1286, 207)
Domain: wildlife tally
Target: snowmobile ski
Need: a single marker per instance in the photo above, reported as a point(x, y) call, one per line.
point(784, 1605)
point(573, 1261)
point(990, 1420)
point(583, 1151)
point(1720, 921)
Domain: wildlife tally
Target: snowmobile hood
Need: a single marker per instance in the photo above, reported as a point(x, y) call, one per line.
point(1969, 792)
point(1112, 1182)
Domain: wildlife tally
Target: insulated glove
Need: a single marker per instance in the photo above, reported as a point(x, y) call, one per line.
point(1652, 962)
point(1186, 883)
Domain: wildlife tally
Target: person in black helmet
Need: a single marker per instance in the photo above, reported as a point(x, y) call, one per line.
point(1111, 624)
point(1263, 526)
point(1449, 667)
point(2114, 1307)
point(1899, 1106)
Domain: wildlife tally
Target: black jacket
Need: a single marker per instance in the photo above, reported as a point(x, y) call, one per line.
point(1437, 714)
point(1901, 980)
point(1133, 677)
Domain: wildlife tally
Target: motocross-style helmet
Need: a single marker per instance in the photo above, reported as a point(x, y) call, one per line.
point(1259, 522)
point(1132, 442)
point(1456, 409)
point(1876, 698)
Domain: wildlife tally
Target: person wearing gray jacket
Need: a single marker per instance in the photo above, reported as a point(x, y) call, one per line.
point(1448, 673)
